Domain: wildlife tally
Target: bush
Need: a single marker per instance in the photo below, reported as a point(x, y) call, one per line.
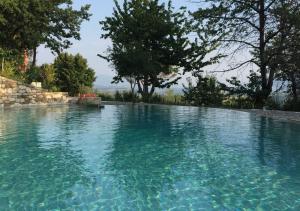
point(169, 99)
point(34, 75)
point(130, 97)
point(238, 102)
point(48, 76)
point(44, 74)
point(156, 98)
point(11, 71)
point(271, 104)
point(118, 96)
point(54, 89)
point(127, 96)
point(207, 91)
point(292, 105)
point(106, 96)
point(85, 90)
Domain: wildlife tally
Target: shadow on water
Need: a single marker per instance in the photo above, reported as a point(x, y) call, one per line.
point(278, 145)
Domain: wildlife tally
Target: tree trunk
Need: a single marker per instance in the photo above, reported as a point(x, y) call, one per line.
point(262, 51)
point(143, 88)
point(294, 86)
point(260, 101)
point(34, 57)
point(132, 88)
point(24, 66)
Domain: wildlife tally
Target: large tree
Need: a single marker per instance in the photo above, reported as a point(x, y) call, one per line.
point(287, 63)
point(72, 73)
point(26, 24)
point(247, 25)
point(151, 43)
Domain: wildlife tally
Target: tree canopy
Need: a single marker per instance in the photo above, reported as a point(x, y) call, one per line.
point(72, 73)
point(26, 24)
point(287, 62)
point(252, 26)
point(151, 43)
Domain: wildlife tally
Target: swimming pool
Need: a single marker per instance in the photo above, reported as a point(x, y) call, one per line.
point(147, 157)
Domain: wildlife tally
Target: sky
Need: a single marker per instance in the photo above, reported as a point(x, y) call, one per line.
point(91, 44)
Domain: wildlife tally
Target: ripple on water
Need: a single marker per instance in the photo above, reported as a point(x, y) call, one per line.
point(147, 158)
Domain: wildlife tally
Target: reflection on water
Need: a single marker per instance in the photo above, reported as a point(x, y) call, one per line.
point(147, 158)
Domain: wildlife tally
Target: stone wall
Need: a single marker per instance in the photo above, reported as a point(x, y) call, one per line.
point(13, 93)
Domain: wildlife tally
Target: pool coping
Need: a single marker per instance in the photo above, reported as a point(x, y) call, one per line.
point(289, 116)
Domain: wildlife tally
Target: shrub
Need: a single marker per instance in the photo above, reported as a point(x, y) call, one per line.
point(72, 72)
point(207, 91)
point(44, 74)
point(85, 90)
point(118, 96)
point(130, 97)
point(34, 74)
point(106, 96)
point(10, 70)
point(48, 76)
point(292, 105)
point(239, 102)
point(272, 104)
point(156, 98)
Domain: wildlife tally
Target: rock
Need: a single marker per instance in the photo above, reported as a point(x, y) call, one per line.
point(13, 93)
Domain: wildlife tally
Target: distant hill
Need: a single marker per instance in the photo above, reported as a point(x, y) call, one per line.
point(103, 83)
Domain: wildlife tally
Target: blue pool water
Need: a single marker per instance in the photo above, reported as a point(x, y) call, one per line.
point(147, 158)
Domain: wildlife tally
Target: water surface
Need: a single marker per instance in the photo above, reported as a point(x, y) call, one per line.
point(147, 158)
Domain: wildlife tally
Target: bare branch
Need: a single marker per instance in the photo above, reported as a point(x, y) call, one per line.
point(236, 67)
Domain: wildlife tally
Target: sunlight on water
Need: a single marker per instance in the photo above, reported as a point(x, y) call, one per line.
point(147, 158)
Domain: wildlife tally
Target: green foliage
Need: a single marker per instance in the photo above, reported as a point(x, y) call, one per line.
point(157, 99)
point(130, 97)
point(126, 96)
point(118, 96)
point(169, 98)
point(271, 104)
point(238, 102)
point(73, 73)
point(9, 64)
point(27, 24)
point(33, 75)
point(251, 90)
point(207, 91)
point(44, 74)
point(292, 105)
point(151, 43)
point(106, 96)
point(68, 73)
point(10, 70)
point(48, 76)
point(85, 90)
point(249, 26)
point(287, 59)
